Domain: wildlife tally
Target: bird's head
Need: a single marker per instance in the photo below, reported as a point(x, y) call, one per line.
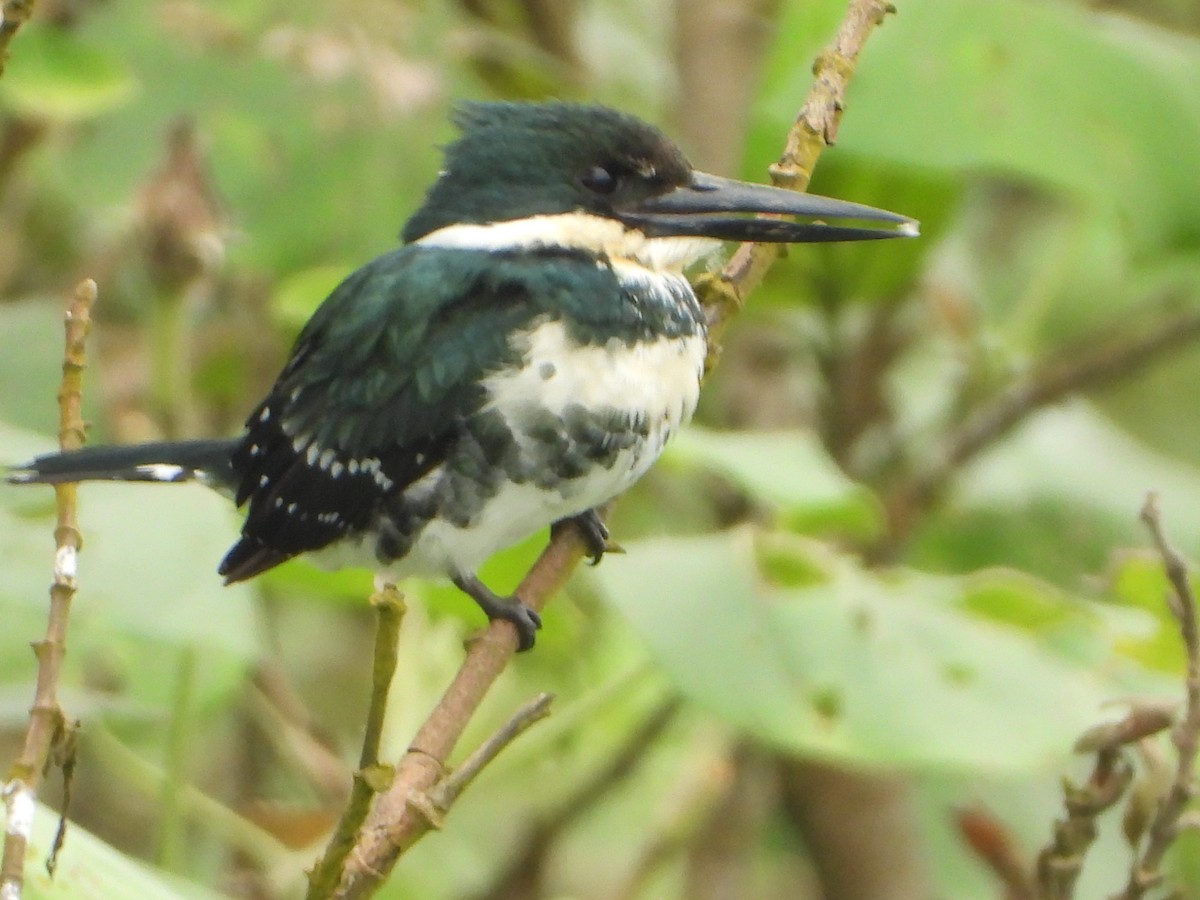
point(525, 174)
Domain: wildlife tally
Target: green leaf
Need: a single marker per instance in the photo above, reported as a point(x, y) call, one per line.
point(89, 869)
point(860, 667)
point(1140, 582)
point(53, 74)
point(1051, 93)
point(32, 364)
point(1075, 454)
point(147, 578)
point(1056, 499)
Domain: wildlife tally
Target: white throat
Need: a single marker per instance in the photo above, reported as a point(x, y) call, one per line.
point(576, 231)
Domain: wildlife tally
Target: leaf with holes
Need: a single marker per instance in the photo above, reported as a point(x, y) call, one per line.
point(846, 663)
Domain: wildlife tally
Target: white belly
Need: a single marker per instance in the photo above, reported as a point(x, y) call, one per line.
point(657, 383)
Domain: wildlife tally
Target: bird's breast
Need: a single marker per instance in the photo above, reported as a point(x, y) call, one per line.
point(594, 398)
point(653, 383)
point(569, 428)
point(581, 409)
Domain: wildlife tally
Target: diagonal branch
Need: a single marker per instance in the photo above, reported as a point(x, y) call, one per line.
point(815, 128)
point(1106, 359)
point(521, 875)
point(48, 726)
point(442, 797)
point(396, 821)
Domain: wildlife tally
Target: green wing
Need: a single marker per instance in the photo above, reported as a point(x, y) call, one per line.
point(378, 385)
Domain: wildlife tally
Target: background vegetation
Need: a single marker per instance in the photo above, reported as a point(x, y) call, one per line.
point(891, 576)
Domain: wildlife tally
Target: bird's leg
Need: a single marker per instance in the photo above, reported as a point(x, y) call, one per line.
point(510, 609)
point(594, 533)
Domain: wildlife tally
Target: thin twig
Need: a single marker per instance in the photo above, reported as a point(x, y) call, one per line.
point(143, 779)
point(395, 823)
point(1060, 862)
point(1152, 812)
point(293, 737)
point(1105, 360)
point(815, 128)
point(1145, 873)
point(48, 726)
point(446, 791)
point(690, 800)
point(1113, 775)
point(371, 777)
point(522, 872)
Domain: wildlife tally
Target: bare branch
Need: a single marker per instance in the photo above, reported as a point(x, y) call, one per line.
point(1164, 826)
point(519, 877)
point(815, 128)
point(48, 726)
point(447, 790)
point(1060, 862)
point(395, 823)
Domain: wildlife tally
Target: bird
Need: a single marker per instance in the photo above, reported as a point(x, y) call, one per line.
point(521, 358)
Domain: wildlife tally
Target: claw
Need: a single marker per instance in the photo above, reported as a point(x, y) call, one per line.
point(525, 620)
point(594, 533)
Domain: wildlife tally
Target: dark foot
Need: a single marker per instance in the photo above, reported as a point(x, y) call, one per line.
point(510, 609)
point(594, 533)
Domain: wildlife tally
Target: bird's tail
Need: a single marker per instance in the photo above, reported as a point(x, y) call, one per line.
point(205, 461)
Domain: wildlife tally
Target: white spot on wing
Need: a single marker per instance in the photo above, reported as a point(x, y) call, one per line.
point(373, 467)
point(162, 471)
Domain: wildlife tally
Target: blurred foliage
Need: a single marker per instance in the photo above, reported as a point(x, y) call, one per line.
point(774, 577)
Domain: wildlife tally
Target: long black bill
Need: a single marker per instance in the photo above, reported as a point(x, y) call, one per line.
point(704, 208)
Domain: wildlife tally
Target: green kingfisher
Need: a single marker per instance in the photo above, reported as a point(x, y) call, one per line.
point(519, 360)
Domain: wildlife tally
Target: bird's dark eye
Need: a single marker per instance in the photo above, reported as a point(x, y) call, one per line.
point(599, 180)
